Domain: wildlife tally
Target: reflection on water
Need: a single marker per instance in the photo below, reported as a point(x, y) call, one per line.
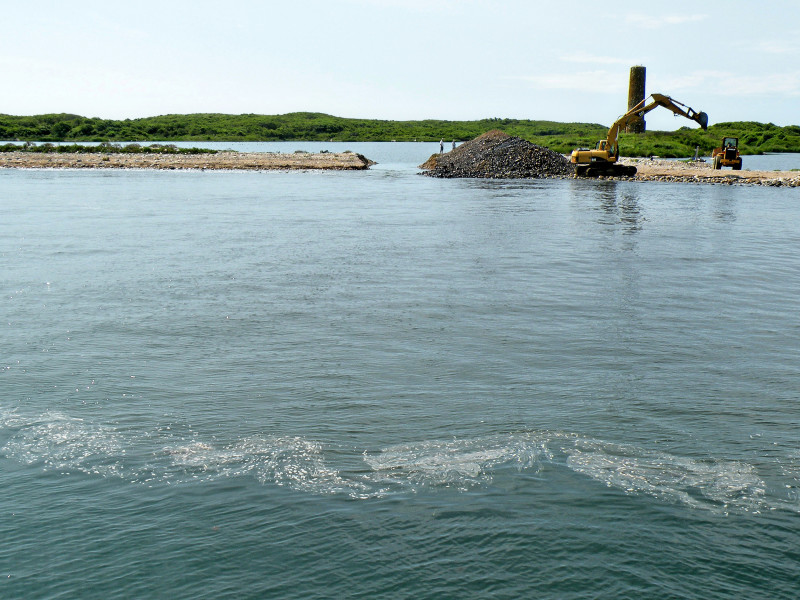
point(620, 202)
point(724, 204)
point(506, 188)
point(616, 203)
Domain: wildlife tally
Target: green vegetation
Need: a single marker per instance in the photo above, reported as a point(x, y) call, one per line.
point(755, 138)
point(104, 148)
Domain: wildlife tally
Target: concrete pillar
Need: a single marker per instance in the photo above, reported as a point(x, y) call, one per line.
point(635, 95)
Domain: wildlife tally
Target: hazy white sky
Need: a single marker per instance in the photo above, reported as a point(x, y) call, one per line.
point(401, 59)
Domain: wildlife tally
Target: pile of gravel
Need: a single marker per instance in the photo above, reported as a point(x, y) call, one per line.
point(498, 155)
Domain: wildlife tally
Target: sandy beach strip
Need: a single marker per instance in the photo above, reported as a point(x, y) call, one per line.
point(229, 161)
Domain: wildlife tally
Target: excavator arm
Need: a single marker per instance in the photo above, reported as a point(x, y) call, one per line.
point(641, 109)
point(603, 159)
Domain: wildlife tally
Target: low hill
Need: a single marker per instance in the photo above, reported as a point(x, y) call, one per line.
point(562, 137)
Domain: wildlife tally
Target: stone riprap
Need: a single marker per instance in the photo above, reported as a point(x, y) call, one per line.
point(498, 155)
point(703, 172)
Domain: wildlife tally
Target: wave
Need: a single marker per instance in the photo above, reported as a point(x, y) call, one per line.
point(55, 441)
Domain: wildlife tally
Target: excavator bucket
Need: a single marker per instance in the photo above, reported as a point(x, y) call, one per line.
point(702, 118)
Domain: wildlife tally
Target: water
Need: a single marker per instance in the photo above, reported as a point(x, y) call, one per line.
point(380, 385)
point(407, 155)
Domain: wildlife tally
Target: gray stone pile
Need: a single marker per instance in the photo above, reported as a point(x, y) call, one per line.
point(498, 155)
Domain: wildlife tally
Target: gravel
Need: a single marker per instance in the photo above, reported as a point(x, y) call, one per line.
point(498, 155)
point(235, 161)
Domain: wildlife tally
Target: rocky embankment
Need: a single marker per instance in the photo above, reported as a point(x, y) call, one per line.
point(498, 155)
point(229, 161)
point(703, 172)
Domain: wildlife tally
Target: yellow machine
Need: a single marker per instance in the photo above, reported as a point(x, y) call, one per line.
point(727, 155)
point(603, 159)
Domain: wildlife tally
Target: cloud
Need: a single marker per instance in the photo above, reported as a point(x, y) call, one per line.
point(657, 22)
point(599, 81)
point(414, 6)
point(588, 58)
point(710, 87)
point(767, 84)
point(779, 47)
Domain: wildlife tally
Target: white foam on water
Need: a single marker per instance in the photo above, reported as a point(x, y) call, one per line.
point(454, 463)
point(10, 419)
point(66, 444)
point(288, 461)
point(712, 484)
point(298, 463)
point(63, 443)
point(301, 464)
point(790, 469)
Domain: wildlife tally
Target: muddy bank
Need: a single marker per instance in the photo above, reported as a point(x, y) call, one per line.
point(229, 161)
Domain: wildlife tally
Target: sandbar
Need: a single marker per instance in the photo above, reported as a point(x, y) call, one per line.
point(228, 161)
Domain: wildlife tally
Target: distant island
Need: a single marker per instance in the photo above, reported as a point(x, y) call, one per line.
point(755, 138)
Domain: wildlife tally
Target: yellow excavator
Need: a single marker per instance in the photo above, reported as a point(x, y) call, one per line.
point(603, 159)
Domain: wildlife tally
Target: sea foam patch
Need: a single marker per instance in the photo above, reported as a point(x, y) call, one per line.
point(708, 484)
point(56, 441)
point(288, 461)
point(63, 443)
point(455, 463)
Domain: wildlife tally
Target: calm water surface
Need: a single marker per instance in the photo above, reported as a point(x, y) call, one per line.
point(379, 385)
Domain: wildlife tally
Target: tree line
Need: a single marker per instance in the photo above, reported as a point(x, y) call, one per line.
point(755, 138)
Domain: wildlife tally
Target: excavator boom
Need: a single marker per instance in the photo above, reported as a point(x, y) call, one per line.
point(606, 153)
point(644, 107)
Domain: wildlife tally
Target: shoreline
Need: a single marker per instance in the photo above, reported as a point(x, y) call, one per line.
point(704, 173)
point(647, 169)
point(221, 161)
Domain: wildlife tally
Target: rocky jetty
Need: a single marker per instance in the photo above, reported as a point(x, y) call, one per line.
point(498, 155)
point(229, 161)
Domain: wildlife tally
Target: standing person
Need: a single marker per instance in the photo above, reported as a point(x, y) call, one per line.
point(441, 146)
point(454, 144)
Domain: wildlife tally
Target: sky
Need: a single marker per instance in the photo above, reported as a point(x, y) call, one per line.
point(566, 61)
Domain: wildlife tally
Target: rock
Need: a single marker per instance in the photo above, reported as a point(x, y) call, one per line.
point(221, 160)
point(498, 155)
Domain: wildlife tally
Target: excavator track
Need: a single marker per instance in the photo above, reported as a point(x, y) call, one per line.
point(613, 170)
